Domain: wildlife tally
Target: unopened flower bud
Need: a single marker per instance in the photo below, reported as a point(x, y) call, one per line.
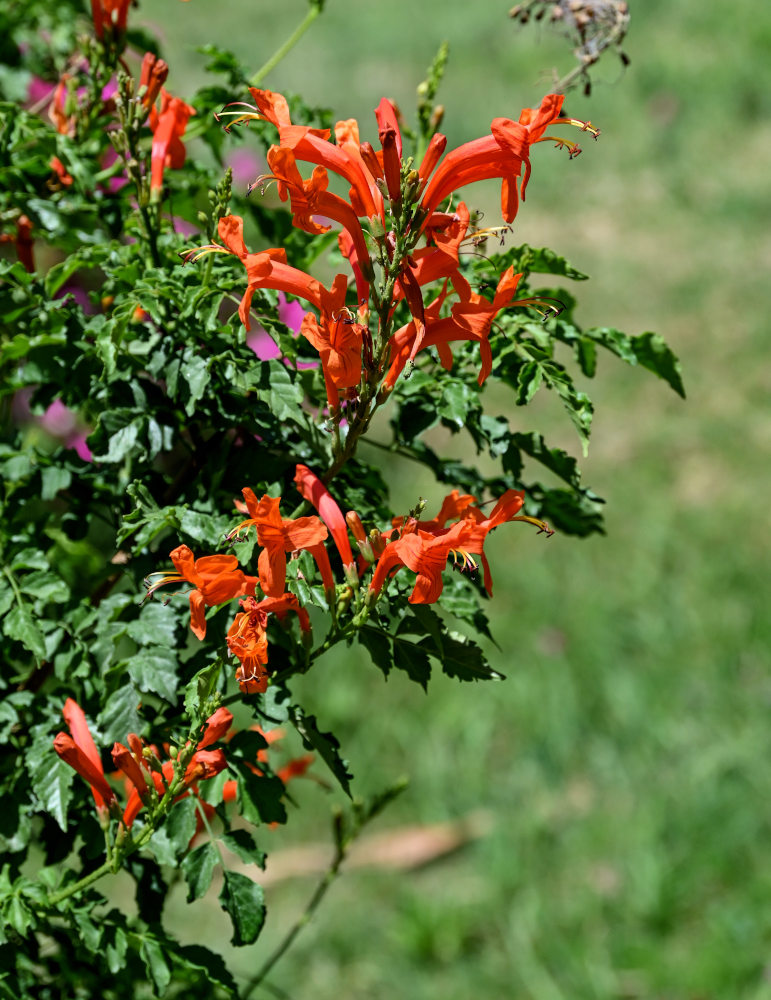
point(376, 227)
point(377, 542)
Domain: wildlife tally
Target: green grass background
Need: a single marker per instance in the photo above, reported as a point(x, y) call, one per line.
point(626, 759)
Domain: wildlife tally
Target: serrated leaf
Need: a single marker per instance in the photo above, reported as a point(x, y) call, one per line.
point(413, 659)
point(378, 645)
point(259, 796)
point(462, 658)
point(243, 900)
point(554, 459)
point(649, 350)
point(653, 353)
point(44, 586)
point(198, 868)
point(155, 672)
point(163, 850)
point(541, 260)
point(195, 377)
point(17, 914)
point(52, 781)
point(20, 625)
point(119, 717)
point(120, 443)
point(325, 744)
point(284, 395)
point(199, 690)
point(156, 625)
point(247, 744)
point(241, 843)
point(115, 948)
point(212, 965)
point(529, 379)
point(182, 824)
point(153, 954)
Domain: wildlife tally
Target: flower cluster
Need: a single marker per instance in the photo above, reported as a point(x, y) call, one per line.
point(392, 208)
point(457, 533)
point(148, 780)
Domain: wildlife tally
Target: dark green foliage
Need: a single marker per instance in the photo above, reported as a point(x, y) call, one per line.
point(165, 416)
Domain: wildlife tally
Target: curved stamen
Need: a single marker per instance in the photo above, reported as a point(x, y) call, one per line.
point(573, 148)
point(543, 527)
point(196, 253)
point(166, 578)
point(467, 564)
point(584, 126)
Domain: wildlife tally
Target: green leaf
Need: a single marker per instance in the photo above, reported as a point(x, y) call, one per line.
point(162, 848)
point(378, 645)
point(198, 868)
point(284, 396)
point(44, 586)
point(156, 625)
point(541, 260)
point(649, 350)
point(554, 459)
point(463, 658)
point(121, 443)
point(259, 796)
point(246, 744)
point(16, 914)
point(119, 717)
point(156, 672)
point(212, 965)
point(153, 953)
point(413, 659)
point(52, 782)
point(20, 625)
point(195, 377)
point(528, 381)
point(199, 691)
point(653, 353)
point(53, 479)
point(115, 948)
point(244, 902)
point(241, 843)
point(456, 400)
point(325, 744)
point(182, 824)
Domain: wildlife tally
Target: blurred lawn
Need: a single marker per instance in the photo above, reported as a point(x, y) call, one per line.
point(626, 757)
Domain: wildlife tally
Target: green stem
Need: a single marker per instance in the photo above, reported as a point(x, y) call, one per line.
point(288, 45)
point(304, 919)
point(14, 585)
point(57, 897)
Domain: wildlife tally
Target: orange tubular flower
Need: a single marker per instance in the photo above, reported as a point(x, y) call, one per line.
point(168, 127)
point(426, 554)
point(309, 198)
point(338, 338)
point(471, 319)
point(80, 752)
point(278, 536)
point(315, 492)
point(217, 579)
point(506, 509)
point(501, 154)
point(248, 640)
point(433, 543)
point(110, 17)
